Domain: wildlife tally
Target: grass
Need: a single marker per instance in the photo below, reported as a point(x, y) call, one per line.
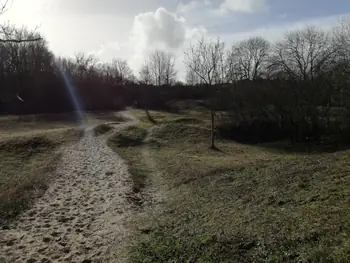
point(241, 203)
point(158, 116)
point(105, 116)
point(131, 137)
point(26, 125)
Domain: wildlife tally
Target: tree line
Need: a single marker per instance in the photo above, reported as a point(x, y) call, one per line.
point(296, 88)
point(255, 90)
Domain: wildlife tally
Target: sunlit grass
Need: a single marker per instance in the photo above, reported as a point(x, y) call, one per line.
point(241, 203)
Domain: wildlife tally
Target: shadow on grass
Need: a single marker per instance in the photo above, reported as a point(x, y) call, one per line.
point(286, 146)
point(304, 148)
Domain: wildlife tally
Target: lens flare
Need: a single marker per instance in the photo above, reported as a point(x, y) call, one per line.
point(79, 113)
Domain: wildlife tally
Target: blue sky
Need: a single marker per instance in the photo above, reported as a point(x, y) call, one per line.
point(277, 12)
point(303, 9)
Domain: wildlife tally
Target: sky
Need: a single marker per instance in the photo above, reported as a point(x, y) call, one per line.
point(130, 29)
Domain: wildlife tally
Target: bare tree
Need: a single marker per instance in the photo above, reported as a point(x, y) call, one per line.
point(122, 71)
point(192, 78)
point(247, 59)
point(23, 65)
point(170, 73)
point(206, 60)
point(162, 67)
point(84, 64)
point(342, 38)
point(303, 53)
point(145, 75)
point(303, 60)
point(145, 79)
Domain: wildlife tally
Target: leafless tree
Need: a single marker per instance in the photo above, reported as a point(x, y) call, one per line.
point(247, 58)
point(145, 79)
point(22, 64)
point(192, 78)
point(304, 59)
point(162, 67)
point(122, 71)
point(84, 65)
point(342, 38)
point(145, 75)
point(206, 60)
point(303, 53)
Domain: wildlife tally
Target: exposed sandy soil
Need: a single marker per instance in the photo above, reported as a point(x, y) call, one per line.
point(80, 217)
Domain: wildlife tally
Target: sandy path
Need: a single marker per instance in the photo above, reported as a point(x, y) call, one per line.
point(80, 217)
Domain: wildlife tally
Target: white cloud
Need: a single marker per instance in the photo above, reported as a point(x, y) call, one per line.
point(161, 27)
point(159, 30)
point(246, 6)
point(106, 51)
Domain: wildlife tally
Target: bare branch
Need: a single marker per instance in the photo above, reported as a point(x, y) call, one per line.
point(247, 59)
point(20, 40)
point(7, 32)
point(161, 66)
point(4, 7)
point(206, 60)
point(303, 53)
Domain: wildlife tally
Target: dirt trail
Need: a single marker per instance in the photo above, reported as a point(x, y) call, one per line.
point(80, 217)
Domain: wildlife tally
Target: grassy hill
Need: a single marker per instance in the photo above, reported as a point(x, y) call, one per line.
point(241, 203)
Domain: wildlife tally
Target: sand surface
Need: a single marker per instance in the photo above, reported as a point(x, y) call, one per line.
point(80, 217)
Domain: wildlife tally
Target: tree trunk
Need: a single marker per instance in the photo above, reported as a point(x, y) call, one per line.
point(149, 117)
point(212, 129)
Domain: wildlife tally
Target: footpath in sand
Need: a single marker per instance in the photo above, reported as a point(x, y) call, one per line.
point(80, 217)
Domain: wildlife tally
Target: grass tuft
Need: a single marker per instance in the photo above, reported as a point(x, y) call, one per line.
point(102, 129)
point(124, 141)
point(131, 136)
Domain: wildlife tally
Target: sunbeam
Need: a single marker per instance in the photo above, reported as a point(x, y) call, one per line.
point(79, 112)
